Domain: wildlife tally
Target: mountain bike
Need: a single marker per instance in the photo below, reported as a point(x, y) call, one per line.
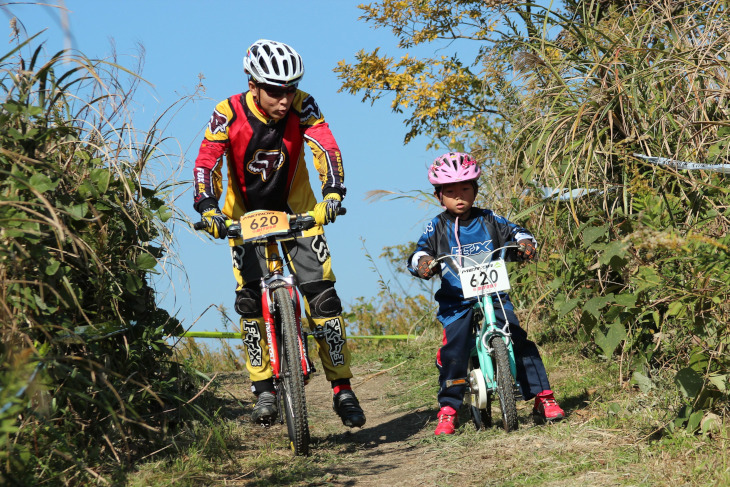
point(492, 369)
point(280, 301)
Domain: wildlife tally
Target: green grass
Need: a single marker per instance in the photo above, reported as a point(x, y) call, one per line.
point(414, 364)
point(613, 435)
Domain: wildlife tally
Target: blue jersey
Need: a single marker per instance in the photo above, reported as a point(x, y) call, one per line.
point(478, 236)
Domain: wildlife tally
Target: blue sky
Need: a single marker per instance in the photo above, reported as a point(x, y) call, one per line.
point(184, 39)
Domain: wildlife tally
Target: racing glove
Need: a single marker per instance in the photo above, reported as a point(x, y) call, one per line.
point(424, 267)
point(527, 250)
point(326, 211)
point(217, 223)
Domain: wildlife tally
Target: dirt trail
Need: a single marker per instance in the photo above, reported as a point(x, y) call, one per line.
point(397, 446)
point(384, 452)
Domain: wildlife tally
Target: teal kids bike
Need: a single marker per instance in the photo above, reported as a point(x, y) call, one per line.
point(492, 369)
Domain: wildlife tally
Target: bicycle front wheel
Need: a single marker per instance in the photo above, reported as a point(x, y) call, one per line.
point(505, 383)
point(294, 399)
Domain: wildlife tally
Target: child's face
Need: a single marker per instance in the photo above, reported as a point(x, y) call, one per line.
point(458, 198)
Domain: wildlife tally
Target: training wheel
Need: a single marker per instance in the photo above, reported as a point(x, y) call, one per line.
point(478, 389)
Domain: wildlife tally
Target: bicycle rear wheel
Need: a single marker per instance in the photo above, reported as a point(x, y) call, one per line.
point(505, 384)
point(293, 397)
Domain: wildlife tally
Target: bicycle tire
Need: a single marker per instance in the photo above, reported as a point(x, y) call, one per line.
point(482, 418)
point(505, 384)
point(293, 396)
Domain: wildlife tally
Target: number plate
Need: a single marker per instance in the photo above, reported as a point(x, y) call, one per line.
point(257, 225)
point(483, 279)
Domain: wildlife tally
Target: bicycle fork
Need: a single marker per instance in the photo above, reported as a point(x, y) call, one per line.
point(274, 280)
point(485, 334)
point(273, 333)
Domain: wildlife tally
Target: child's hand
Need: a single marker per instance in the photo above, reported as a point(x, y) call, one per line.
point(424, 267)
point(527, 250)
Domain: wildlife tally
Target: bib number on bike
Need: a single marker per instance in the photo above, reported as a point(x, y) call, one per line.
point(487, 278)
point(258, 224)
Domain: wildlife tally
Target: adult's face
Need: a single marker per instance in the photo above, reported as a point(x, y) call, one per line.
point(275, 101)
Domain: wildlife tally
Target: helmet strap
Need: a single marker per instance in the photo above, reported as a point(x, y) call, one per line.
point(255, 94)
point(437, 194)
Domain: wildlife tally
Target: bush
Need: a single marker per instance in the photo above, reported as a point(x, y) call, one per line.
point(85, 379)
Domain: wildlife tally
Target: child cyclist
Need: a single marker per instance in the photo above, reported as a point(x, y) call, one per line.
point(467, 230)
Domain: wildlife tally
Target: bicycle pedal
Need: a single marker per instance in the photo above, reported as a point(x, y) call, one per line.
point(456, 382)
point(318, 333)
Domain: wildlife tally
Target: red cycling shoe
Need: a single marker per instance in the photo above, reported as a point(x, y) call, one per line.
point(448, 422)
point(546, 407)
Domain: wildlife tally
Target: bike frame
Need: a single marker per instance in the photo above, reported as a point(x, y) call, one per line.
point(273, 280)
point(484, 335)
point(285, 337)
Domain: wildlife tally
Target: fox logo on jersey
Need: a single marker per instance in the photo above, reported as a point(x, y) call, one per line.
point(218, 122)
point(310, 109)
point(473, 248)
point(265, 163)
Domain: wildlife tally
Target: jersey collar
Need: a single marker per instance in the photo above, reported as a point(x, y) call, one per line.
point(462, 221)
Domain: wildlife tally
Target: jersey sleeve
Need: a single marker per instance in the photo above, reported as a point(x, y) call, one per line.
point(424, 246)
point(207, 178)
point(327, 155)
point(508, 231)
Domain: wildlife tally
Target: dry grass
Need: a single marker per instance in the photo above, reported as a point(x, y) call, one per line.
point(598, 445)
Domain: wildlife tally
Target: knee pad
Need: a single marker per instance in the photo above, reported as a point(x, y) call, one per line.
point(325, 304)
point(248, 302)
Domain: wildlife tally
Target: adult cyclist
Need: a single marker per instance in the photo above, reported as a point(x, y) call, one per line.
point(262, 134)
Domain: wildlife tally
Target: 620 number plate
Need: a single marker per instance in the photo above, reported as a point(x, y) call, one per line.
point(487, 278)
point(258, 224)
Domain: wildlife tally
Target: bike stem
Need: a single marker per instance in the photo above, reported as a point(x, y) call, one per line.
point(274, 262)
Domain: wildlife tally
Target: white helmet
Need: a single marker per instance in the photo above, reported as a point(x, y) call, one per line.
point(273, 63)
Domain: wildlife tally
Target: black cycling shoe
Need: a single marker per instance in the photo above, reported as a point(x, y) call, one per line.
point(265, 412)
point(348, 408)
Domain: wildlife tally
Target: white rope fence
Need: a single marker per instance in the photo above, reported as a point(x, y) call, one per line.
point(689, 166)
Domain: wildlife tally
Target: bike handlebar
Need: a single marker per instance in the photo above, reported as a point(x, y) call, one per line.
point(299, 221)
point(503, 249)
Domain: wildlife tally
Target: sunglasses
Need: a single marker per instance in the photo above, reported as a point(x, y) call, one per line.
point(278, 91)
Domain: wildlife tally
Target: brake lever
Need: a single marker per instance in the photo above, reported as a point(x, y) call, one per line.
point(234, 231)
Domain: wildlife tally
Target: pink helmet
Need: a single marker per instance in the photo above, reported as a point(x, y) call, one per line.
point(453, 167)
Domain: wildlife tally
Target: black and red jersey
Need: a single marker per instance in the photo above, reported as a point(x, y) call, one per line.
point(265, 158)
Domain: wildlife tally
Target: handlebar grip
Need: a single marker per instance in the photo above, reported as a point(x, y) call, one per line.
point(200, 225)
point(310, 214)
